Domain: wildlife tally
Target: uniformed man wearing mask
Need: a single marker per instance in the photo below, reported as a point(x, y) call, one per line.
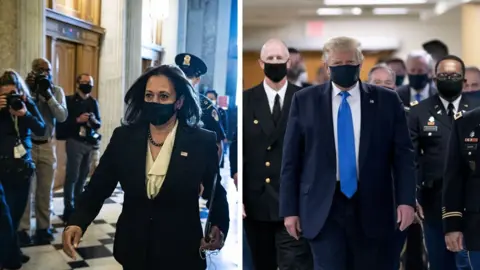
point(194, 68)
point(461, 189)
point(430, 125)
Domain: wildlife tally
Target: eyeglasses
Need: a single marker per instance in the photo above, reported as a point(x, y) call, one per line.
point(449, 76)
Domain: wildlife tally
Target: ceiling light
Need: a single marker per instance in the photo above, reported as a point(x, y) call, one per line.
point(329, 11)
point(356, 11)
point(390, 11)
point(372, 2)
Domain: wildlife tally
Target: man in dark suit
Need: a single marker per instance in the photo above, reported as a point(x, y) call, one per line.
point(420, 71)
point(265, 112)
point(348, 176)
point(430, 126)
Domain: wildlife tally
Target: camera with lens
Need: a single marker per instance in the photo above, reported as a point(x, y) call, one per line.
point(42, 83)
point(15, 101)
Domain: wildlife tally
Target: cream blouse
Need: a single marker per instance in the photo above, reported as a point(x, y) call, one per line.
point(156, 170)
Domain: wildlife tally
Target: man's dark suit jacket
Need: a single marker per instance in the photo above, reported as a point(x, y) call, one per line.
point(262, 153)
point(404, 93)
point(386, 160)
point(166, 229)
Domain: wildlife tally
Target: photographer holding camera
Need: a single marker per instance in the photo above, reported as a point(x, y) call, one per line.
point(50, 101)
point(81, 135)
point(19, 117)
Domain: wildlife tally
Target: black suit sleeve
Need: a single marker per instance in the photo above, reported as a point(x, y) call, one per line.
point(33, 119)
point(234, 155)
point(454, 182)
point(403, 157)
point(414, 126)
point(101, 186)
point(219, 212)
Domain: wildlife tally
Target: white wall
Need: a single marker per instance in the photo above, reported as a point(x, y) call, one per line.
point(169, 32)
point(404, 33)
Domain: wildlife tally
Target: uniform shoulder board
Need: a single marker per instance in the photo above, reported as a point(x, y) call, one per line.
point(215, 115)
point(406, 108)
point(413, 103)
point(458, 115)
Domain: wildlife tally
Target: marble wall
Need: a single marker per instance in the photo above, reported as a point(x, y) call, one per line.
point(9, 34)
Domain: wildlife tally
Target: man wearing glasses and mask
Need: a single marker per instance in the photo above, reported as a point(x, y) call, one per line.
point(430, 124)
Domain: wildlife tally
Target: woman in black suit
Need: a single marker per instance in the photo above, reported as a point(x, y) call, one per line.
point(162, 159)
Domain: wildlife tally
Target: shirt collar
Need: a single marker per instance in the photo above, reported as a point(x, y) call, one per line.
point(456, 103)
point(423, 93)
point(272, 92)
point(354, 92)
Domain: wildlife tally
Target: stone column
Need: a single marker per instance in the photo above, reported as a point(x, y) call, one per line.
point(470, 41)
point(31, 33)
point(133, 68)
point(112, 66)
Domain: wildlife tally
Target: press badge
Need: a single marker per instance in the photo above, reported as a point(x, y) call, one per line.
point(19, 151)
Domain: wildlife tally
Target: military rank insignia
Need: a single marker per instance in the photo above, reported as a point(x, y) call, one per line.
point(413, 103)
point(458, 115)
point(215, 115)
point(186, 60)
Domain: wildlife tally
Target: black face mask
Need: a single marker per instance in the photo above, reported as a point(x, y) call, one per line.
point(275, 72)
point(345, 76)
point(418, 82)
point(158, 114)
point(85, 88)
point(449, 89)
point(399, 79)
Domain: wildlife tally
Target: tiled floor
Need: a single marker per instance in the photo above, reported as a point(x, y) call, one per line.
point(95, 251)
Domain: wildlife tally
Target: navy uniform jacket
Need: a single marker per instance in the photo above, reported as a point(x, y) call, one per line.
point(386, 160)
point(223, 119)
point(262, 153)
point(461, 188)
point(167, 229)
point(211, 118)
point(404, 93)
point(430, 129)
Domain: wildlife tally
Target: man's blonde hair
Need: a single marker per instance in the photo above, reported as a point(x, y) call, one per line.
point(342, 44)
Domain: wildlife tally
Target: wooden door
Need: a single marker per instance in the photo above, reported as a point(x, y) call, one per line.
point(87, 62)
point(252, 72)
point(63, 65)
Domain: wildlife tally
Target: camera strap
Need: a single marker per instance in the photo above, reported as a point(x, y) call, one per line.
point(15, 125)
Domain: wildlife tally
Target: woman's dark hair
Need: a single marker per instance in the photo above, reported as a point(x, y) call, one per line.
point(190, 113)
point(11, 77)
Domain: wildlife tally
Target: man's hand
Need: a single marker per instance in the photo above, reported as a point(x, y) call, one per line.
point(83, 118)
point(454, 241)
point(244, 215)
point(201, 190)
point(292, 224)
point(405, 216)
point(3, 101)
point(216, 240)
point(71, 238)
point(419, 216)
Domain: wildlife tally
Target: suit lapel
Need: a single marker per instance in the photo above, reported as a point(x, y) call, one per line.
point(325, 125)
point(438, 111)
point(261, 110)
point(368, 110)
point(138, 157)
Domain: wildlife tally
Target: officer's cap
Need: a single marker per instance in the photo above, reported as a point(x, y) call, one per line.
point(191, 65)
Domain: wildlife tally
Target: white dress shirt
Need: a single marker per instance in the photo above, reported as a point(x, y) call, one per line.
point(424, 94)
point(272, 93)
point(456, 104)
point(354, 100)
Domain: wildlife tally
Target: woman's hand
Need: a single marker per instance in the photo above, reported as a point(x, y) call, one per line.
point(3, 101)
point(216, 240)
point(19, 113)
point(71, 238)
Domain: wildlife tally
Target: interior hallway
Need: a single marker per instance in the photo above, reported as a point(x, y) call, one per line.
point(95, 251)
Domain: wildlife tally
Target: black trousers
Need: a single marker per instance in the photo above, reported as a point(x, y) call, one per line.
point(14, 191)
point(273, 248)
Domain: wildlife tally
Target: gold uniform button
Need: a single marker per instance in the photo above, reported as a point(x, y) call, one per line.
point(267, 164)
point(267, 180)
point(255, 121)
point(269, 148)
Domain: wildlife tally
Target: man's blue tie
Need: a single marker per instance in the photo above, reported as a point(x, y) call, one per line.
point(418, 97)
point(347, 162)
